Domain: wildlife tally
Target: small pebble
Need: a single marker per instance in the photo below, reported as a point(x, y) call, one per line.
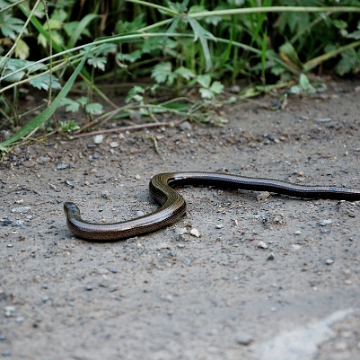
point(219, 226)
point(244, 339)
point(185, 126)
point(88, 288)
point(62, 166)
point(98, 139)
point(262, 245)
point(348, 282)
point(21, 209)
point(329, 261)
point(270, 257)
point(180, 231)
point(137, 177)
point(181, 245)
point(139, 213)
point(114, 144)
point(95, 156)
point(195, 232)
point(9, 245)
point(297, 232)
point(9, 311)
point(325, 222)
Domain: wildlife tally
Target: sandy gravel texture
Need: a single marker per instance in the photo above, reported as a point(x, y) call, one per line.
point(268, 278)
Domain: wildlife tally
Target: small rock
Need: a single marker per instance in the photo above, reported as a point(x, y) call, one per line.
point(62, 166)
point(9, 311)
point(137, 177)
point(139, 213)
point(348, 282)
point(180, 231)
point(325, 222)
point(219, 226)
point(297, 232)
point(296, 247)
point(21, 209)
point(181, 245)
point(262, 245)
point(270, 257)
point(98, 139)
point(185, 126)
point(195, 232)
point(9, 245)
point(235, 89)
point(114, 144)
point(88, 288)
point(329, 261)
point(95, 156)
point(244, 339)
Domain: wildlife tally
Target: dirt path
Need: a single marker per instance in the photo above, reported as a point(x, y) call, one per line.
point(277, 278)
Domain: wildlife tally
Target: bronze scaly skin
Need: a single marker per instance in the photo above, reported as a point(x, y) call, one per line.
point(173, 205)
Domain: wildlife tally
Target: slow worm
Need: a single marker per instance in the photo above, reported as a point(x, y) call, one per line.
point(173, 205)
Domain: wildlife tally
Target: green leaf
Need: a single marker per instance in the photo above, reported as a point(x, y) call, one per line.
point(22, 49)
point(204, 80)
point(217, 87)
point(203, 35)
point(206, 93)
point(69, 126)
point(94, 108)
point(11, 26)
point(133, 93)
point(163, 73)
point(47, 113)
point(132, 57)
point(97, 62)
point(81, 29)
point(185, 73)
point(70, 105)
point(82, 100)
point(43, 82)
point(304, 82)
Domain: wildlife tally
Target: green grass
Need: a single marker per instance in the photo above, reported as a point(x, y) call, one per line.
point(204, 44)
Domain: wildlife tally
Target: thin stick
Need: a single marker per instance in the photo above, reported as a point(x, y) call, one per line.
point(126, 128)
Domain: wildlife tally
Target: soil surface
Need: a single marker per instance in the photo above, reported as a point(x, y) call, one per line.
point(270, 277)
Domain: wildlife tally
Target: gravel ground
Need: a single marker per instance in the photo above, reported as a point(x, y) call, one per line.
point(269, 277)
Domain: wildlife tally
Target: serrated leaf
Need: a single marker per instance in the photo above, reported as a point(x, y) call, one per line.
point(204, 80)
point(185, 73)
point(163, 73)
point(354, 35)
point(97, 62)
point(11, 26)
point(83, 100)
point(217, 87)
point(15, 77)
point(68, 126)
point(47, 113)
point(70, 105)
point(134, 92)
point(43, 82)
point(22, 49)
point(94, 108)
point(206, 93)
point(132, 57)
